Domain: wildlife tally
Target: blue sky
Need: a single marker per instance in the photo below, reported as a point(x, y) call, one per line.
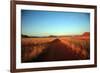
point(45, 23)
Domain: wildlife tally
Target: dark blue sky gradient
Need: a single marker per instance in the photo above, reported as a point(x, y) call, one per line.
point(45, 23)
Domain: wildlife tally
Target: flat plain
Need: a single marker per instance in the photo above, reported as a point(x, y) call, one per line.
point(40, 49)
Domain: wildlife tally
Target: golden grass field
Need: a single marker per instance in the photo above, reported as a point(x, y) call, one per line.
point(55, 48)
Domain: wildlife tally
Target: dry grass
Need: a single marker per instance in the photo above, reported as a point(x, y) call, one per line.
point(33, 47)
point(79, 45)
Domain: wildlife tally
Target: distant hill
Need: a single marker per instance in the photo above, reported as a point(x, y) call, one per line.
point(24, 36)
point(52, 36)
point(86, 34)
point(27, 36)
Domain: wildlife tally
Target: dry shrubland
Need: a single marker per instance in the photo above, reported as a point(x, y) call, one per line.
point(31, 48)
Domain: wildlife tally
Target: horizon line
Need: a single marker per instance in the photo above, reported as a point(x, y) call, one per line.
point(53, 35)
